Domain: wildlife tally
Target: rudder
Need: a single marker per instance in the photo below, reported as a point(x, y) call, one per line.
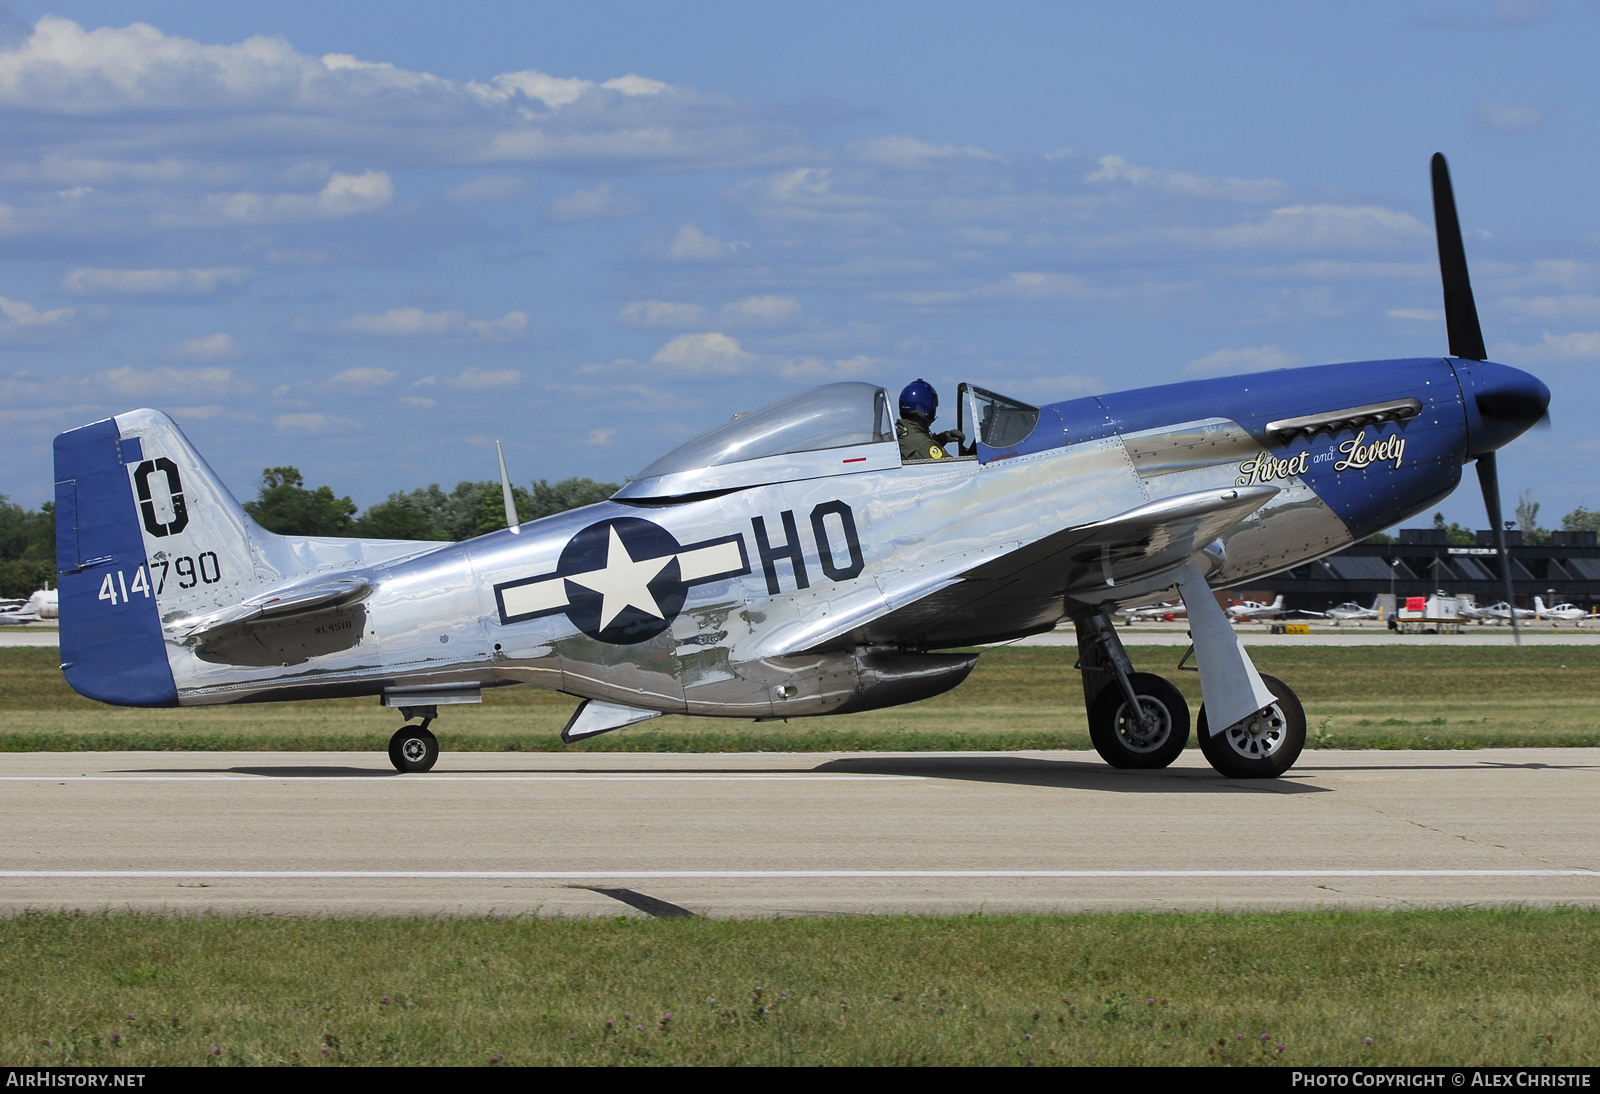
point(111, 643)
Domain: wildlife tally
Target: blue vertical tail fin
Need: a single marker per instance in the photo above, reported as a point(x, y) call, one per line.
point(111, 642)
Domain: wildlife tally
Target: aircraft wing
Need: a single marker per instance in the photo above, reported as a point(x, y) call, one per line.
point(1021, 591)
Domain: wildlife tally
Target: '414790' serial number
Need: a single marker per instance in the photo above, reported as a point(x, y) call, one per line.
point(186, 571)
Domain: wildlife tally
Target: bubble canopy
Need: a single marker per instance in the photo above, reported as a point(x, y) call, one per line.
point(813, 421)
point(833, 416)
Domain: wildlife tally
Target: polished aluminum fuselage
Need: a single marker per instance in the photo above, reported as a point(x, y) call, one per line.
point(772, 641)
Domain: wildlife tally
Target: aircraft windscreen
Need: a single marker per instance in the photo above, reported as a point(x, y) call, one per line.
point(1002, 422)
point(832, 416)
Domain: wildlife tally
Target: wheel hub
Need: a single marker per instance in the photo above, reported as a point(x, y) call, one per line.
point(1146, 731)
point(415, 749)
point(1259, 735)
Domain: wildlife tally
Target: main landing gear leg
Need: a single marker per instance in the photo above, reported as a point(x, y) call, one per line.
point(1136, 719)
point(1251, 726)
point(415, 748)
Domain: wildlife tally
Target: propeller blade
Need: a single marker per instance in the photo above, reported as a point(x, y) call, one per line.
point(1460, 312)
point(1489, 479)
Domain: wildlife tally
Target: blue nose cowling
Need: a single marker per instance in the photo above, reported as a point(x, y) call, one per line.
point(1502, 403)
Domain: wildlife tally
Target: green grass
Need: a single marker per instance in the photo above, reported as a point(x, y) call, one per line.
point(1431, 987)
point(1029, 698)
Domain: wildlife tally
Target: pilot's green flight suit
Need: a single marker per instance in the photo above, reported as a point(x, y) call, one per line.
point(916, 443)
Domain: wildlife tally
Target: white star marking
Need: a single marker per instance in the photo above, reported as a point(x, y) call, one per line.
point(623, 583)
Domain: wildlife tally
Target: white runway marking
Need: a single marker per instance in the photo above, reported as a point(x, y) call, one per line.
point(667, 875)
point(384, 776)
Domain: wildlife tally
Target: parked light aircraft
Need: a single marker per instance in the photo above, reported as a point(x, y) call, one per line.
point(1349, 612)
point(1246, 610)
point(41, 605)
point(1567, 613)
point(790, 563)
point(1503, 612)
point(1166, 611)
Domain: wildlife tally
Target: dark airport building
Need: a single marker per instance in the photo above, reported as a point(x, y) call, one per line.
point(1566, 570)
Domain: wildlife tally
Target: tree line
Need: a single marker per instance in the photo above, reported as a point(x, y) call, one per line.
point(284, 505)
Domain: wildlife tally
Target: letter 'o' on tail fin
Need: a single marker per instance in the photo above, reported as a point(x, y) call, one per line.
point(145, 534)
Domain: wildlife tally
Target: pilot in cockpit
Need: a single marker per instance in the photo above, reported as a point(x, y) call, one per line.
point(919, 405)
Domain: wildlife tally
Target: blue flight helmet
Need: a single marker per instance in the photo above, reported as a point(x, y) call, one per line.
point(919, 400)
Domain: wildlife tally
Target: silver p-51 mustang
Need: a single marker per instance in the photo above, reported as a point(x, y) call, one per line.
point(791, 563)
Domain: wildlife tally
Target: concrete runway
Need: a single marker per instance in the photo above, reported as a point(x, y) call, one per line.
point(791, 834)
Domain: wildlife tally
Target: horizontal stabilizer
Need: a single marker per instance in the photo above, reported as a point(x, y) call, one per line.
point(277, 601)
point(594, 717)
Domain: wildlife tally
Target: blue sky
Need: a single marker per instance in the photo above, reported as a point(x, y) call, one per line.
point(369, 239)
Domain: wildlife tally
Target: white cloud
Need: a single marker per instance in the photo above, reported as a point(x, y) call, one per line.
point(1314, 227)
point(18, 316)
point(210, 347)
point(90, 281)
point(344, 195)
point(600, 436)
point(630, 397)
point(309, 394)
point(1577, 307)
point(476, 379)
point(632, 85)
point(816, 370)
point(261, 94)
point(361, 380)
point(314, 423)
point(402, 322)
point(1337, 270)
point(1552, 349)
point(598, 204)
point(908, 152)
point(1559, 273)
point(754, 310)
point(1113, 169)
point(1225, 362)
point(690, 244)
point(489, 188)
point(1427, 315)
point(1522, 117)
point(161, 383)
point(1027, 286)
point(118, 389)
point(415, 323)
point(504, 329)
point(661, 313)
point(703, 355)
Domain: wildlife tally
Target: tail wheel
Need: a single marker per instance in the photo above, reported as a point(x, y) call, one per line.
point(1152, 736)
point(413, 749)
point(1262, 746)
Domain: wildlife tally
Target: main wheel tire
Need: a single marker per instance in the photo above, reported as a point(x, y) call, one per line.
point(413, 748)
point(1120, 736)
point(1262, 746)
